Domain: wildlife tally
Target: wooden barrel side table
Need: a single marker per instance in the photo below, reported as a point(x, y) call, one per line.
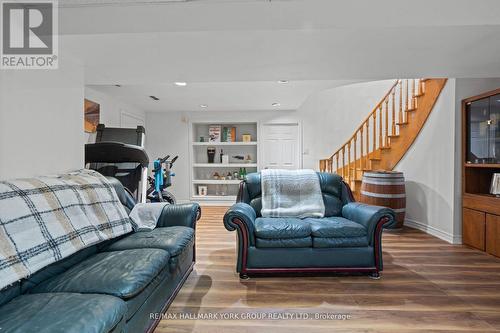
point(385, 188)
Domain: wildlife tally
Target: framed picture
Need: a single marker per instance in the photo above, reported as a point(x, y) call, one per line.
point(495, 184)
point(91, 111)
point(202, 190)
point(214, 133)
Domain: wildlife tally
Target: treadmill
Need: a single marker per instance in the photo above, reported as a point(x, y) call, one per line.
point(119, 153)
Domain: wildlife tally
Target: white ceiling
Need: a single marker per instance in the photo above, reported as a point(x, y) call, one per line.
point(220, 96)
point(232, 52)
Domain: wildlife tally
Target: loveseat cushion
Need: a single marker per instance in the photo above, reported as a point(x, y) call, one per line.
point(122, 274)
point(62, 312)
point(336, 227)
point(172, 239)
point(281, 228)
point(330, 242)
point(284, 242)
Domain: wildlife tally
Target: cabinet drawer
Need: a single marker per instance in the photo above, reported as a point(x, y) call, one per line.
point(493, 234)
point(474, 228)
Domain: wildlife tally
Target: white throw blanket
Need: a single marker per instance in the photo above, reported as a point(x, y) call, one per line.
point(46, 219)
point(291, 193)
point(144, 216)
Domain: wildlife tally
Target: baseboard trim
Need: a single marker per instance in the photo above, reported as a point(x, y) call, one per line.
point(216, 203)
point(450, 238)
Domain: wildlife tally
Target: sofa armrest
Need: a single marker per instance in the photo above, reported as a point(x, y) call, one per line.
point(369, 216)
point(184, 215)
point(241, 217)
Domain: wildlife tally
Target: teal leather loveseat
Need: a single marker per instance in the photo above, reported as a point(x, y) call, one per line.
point(121, 285)
point(346, 240)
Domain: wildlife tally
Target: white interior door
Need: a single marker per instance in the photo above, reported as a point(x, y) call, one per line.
point(280, 146)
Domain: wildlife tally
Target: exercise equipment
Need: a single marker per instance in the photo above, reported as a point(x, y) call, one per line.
point(162, 170)
point(119, 153)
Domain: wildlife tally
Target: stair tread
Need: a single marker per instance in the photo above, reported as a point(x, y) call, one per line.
point(419, 95)
point(402, 123)
point(385, 148)
point(411, 109)
point(394, 136)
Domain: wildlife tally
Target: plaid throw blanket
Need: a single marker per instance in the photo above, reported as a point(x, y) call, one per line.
point(291, 193)
point(46, 219)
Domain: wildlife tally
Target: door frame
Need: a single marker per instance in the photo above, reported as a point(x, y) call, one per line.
point(297, 123)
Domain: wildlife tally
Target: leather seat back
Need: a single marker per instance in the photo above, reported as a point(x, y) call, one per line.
point(58, 267)
point(125, 197)
point(334, 190)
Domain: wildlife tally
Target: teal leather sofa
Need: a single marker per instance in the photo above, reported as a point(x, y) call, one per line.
point(122, 285)
point(346, 240)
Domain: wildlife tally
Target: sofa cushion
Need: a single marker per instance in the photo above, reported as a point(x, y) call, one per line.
point(256, 204)
point(329, 242)
point(172, 239)
point(336, 227)
point(10, 292)
point(62, 312)
point(284, 242)
point(134, 303)
point(122, 274)
point(283, 227)
point(333, 205)
point(253, 185)
point(331, 188)
point(330, 183)
point(57, 268)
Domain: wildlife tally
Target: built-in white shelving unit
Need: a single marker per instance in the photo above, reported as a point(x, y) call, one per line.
point(214, 181)
point(225, 188)
point(222, 165)
point(252, 143)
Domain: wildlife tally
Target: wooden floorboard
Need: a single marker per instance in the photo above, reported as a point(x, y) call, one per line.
point(427, 285)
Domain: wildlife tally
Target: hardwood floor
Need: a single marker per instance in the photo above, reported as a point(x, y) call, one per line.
point(427, 285)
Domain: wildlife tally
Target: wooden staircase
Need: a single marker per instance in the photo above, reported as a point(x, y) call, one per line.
point(385, 136)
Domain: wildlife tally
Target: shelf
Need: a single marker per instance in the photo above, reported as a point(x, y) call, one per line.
point(483, 202)
point(214, 181)
point(220, 165)
point(215, 197)
point(487, 195)
point(240, 143)
point(471, 165)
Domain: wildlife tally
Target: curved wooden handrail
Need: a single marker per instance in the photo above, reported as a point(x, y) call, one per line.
point(378, 130)
point(388, 131)
point(367, 119)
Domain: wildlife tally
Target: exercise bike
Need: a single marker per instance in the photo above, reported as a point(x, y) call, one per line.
point(162, 170)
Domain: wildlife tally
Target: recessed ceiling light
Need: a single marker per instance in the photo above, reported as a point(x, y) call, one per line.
point(283, 81)
point(154, 98)
point(276, 104)
point(180, 84)
point(118, 85)
point(204, 106)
